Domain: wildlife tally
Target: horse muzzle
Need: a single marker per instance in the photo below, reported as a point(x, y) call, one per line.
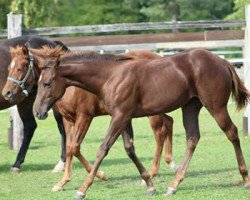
point(40, 115)
point(8, 95)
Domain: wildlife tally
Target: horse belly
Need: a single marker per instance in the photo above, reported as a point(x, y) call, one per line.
point(164, 99)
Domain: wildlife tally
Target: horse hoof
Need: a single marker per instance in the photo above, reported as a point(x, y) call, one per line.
point(57, 188)
point(15, 170)
point(103, 176)
point(79, 195)
point(247, 185)
point(174, 167)
point(170, 191)
point(143, 182)
point(60, 166)
point(151, 191)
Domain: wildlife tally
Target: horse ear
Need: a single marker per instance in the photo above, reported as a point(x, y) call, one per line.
point(25, 50)
point(12, 51)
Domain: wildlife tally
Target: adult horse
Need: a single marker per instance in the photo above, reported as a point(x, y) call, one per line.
point(134, 88)
point(25, 104)
point(78, 107)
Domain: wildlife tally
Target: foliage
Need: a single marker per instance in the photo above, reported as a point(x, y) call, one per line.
point(80, 12)
point(40, 13)
point(35, 12)
point(205, 10)
point(4, 10)
point(239, 10)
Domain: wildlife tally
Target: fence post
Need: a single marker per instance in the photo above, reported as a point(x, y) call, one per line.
point(246, 56)
point(14, 27)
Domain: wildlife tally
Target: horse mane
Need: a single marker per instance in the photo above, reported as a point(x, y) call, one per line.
point(44, 51)
point(79, 55)
point(59, 51)
point(50, 51)
point(18, 50)
point(93, 56)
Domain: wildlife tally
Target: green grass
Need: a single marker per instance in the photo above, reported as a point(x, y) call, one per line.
point(212, 174)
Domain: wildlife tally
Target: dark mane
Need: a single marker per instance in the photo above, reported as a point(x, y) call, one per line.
point(91, 56)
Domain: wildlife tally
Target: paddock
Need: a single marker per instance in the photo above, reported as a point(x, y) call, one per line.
point(213, 173)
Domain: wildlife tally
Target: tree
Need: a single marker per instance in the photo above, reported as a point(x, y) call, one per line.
point(4, 10)
point(35, 12)
point(239, 10)
point(167, 10)
point(83, 12)
point(205, 10)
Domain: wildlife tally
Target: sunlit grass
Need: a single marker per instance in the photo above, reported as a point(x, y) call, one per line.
point(212, 174)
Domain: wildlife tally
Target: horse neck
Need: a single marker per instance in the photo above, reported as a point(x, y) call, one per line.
point(37, 70)
point(89, 75)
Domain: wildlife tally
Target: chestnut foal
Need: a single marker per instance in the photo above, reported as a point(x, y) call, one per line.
point(78, 107)
point(139, 87)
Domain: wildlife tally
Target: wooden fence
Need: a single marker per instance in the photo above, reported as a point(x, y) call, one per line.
point(212, 34)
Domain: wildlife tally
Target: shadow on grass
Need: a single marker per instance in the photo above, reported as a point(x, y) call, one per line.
point(137, 138)
point(4, 168)
point(199, 173)
point(46, 166)
point(210, 186)
point(29, 167)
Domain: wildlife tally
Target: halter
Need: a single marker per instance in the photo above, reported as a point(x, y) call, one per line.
point(21, 83)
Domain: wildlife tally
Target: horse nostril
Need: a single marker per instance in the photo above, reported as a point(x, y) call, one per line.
point(36, 114)
point(8, 94)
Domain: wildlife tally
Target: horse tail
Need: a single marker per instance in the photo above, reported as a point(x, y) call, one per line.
point(240, 93)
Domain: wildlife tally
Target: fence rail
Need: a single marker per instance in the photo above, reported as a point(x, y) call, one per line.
point(109, 28)
point(152, 38)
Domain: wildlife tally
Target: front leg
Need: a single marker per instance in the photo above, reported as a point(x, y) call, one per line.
point(117, 125)
point(127, 136)
point(29, 126)
point(59, 120)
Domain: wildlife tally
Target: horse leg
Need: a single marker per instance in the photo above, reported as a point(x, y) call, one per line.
point(69, 156)
point(117, 125)
point(61, 164)
point(162, 126)
point(156, 123)
point(81, 127)
point(168, 121)
point(224, 121)
point(127, 136)
point(190, 120)
point(29, 127)
point(74, 140)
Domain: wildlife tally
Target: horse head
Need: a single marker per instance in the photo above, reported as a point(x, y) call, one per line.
point(21, 77)
point(50, 86)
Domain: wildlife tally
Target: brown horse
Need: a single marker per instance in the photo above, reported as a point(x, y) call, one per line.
point(25, 103)
point(135, 88)
point(78, 107)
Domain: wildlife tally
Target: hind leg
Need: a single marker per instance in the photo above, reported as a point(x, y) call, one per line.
point(224, 121)
point(190, 121)
point(168, 123)
point(162, 126)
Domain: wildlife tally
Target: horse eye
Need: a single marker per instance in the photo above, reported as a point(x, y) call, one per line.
point(47, 85)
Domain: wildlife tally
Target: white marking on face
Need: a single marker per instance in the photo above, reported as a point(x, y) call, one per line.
point(40, 78)
point(12, 64)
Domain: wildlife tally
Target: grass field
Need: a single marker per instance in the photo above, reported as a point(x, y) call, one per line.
point(212, 174)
